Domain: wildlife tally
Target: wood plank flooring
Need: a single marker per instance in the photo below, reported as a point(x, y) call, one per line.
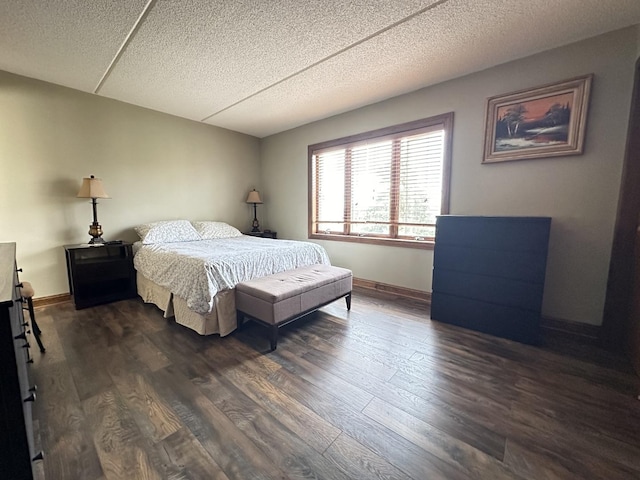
point(380, 392)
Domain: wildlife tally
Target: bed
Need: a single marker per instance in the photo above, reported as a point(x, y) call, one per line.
point(189, 269)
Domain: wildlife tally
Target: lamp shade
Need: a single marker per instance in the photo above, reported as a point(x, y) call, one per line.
point(92, 188)
point(254, 197)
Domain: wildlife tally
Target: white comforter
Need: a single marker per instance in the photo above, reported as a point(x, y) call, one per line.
point(197, 271)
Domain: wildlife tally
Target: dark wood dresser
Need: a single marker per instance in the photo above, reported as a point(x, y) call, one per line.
point(488, 274)
point(17, 391)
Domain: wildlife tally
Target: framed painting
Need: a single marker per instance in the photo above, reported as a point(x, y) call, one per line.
point(547, 121)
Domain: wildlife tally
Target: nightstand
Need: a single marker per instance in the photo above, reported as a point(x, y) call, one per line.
point(264, 234)
point(100, 274)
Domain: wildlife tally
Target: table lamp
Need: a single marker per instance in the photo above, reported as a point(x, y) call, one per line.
point(92, 188)
point(254, 197)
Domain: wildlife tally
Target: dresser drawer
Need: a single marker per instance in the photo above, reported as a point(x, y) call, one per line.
point(524, 234)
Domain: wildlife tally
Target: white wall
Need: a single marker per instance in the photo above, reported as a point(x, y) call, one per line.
point(579, 192)
point(154, 166)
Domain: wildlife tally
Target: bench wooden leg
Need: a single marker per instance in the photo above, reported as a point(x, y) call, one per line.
point(274, 337)
point(348, 300)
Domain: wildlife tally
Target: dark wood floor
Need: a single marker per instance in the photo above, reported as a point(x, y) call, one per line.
point(377, 393)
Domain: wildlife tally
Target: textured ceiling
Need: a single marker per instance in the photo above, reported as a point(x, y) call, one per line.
point(264, 66)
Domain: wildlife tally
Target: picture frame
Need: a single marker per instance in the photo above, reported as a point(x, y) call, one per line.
point(542, 122)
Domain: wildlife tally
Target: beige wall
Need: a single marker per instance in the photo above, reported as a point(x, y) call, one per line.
point(154, 166)
point(579, 192)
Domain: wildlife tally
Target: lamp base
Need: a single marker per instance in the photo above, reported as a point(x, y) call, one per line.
point(95, 230)
point(256, 225)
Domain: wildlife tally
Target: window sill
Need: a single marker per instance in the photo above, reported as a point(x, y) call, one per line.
point(389, 242)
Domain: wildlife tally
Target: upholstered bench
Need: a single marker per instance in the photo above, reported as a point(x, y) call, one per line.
point(279, 299)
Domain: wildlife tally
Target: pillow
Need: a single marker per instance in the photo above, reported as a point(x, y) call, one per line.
point(167, 231)
point(210, 230)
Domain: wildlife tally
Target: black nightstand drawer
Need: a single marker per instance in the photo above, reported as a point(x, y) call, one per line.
point(100, 274)
point(265, 234)
point(97, 272)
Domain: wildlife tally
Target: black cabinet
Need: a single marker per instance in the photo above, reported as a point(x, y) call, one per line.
point(100, 274)
point(488, 274)
point(17, 391)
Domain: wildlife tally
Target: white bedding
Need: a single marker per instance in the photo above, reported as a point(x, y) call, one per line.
point(196, 271)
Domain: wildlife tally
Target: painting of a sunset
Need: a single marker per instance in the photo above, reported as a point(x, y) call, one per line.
point(543, 122)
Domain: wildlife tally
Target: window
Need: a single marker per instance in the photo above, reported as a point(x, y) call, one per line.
point(384, 186)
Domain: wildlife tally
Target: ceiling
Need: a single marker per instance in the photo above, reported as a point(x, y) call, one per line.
point(265, 66)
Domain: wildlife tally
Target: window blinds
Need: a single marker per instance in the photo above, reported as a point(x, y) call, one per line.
point(382, 187)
